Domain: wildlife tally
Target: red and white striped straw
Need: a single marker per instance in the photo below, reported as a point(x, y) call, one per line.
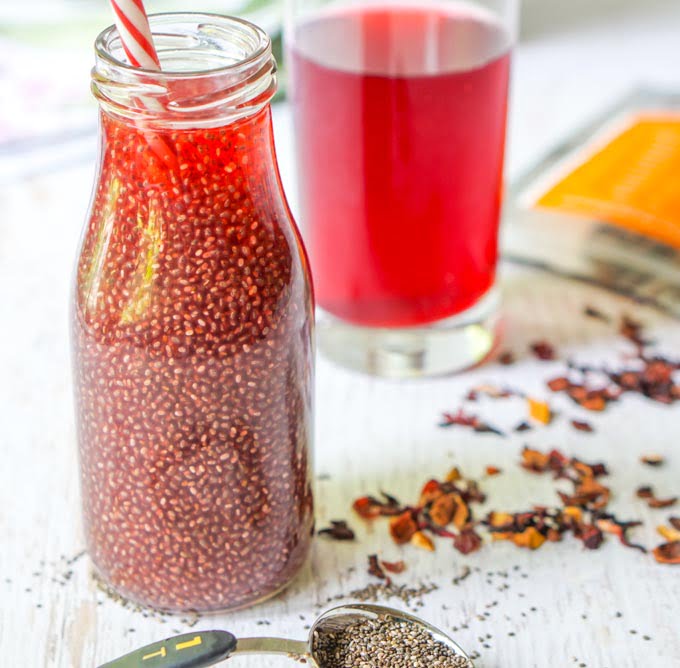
point(135, 33)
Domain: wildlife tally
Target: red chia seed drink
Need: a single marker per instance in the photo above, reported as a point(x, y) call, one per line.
point(400, 118)
point(192, 320)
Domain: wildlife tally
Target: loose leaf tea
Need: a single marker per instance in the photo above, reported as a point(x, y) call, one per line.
point(445, 510)
point(592, 312)
point(580, 425)
point(646, 492)
point(543, 350)
point(339, 530)
point(462, 419)
point(668, 553)
point(442, 507)
point(652, 460)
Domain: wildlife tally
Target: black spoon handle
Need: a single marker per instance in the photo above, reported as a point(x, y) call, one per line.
point(188, 650)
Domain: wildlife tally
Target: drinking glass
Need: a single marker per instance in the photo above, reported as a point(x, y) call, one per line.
point(399, 109)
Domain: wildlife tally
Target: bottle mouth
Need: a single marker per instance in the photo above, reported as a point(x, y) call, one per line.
point(214, 69)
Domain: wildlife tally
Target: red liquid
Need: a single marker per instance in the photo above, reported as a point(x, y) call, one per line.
point(192, 367)
point(400, 118)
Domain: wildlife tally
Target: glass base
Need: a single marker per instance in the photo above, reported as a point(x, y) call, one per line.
point(445, 346)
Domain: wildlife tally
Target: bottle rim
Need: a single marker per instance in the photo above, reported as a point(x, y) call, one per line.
point(215, 68)
point(109, 36)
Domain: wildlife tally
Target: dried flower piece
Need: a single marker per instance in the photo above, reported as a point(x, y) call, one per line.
point(506, 358)
point(632, 330)
point(375, 569)
point(646, 492)
point(539, 411)
point(674, 522)
point(668, 553)
point(499, 520)
point(559, 384)
point(580, 425)
point(431, 491)
point(535, 460)
point(594, 403)
point(423, 541)
point(662, 503)
point(669, 533)
point(403, 527)
point(493, 392)
point(529, 538)
point(652, 460)
point(453, 475)
point(339, 530)
point(590, 535)
point(588, 470)
point(592, 312)
point(395, 567)
point(462, 419)
point(467, 541)
point(442, 509)
point(543, 350)
point(493, 470)
point(461, 514)
point(523, 426)
point(368, 507)
point(609, 524)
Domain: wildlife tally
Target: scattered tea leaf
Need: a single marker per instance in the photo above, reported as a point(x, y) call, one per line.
point(580, 425)
point(668, 553)
point(652, 460)
point(339, 530)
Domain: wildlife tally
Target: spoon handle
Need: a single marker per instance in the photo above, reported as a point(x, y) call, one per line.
point(188, 650)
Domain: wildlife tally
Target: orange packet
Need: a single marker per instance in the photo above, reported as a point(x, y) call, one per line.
point(630, 177)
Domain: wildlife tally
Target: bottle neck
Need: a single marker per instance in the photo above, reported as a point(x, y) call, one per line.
point(216, 71)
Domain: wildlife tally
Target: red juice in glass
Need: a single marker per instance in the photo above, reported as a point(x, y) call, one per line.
point(400, 118)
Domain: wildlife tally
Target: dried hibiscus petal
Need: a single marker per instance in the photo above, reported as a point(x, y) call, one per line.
point(431, 491)
point(595, 313)
point(652, 460)
point(395, 567)
point(674, 522)
point(608, 524)
point(668, 553)
point(581, 425)
point(467, 541)
point(590, 535)
point(559, 384)
point(662, 503)
point(543, 350)
point(402, 527)
point(539, 411)
point(375, 569)
point(646, 492)
point(339, 530)
point(529, 538)
point(423, 541)
point(442, 509)
point(669, 533)
point(506, 358)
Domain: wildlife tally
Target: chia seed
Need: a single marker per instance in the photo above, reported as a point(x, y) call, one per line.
point(384, 642)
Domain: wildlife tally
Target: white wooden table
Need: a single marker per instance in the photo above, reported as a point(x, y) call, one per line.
point(574, 608)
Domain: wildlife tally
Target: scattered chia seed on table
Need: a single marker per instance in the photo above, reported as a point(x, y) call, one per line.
point(384, 642)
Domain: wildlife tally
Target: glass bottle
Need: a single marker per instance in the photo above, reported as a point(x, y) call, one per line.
point(191, 328)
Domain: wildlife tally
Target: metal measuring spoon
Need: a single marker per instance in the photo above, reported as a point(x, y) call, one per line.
point(206, 648)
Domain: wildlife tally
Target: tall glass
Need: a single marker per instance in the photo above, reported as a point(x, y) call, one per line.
point(400, 113)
